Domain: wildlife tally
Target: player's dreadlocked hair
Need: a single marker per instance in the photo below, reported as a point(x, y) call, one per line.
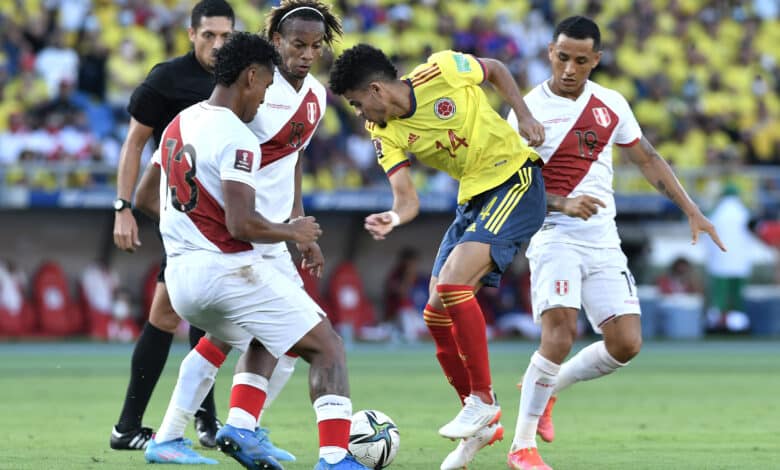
point(239, 52)
point(579, 27)
point(310, 10)
point(358, 66)
point(209, 8)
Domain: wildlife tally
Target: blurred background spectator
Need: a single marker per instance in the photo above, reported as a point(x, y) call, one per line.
point(406, 292)
point(729, 271)
point(681, 278)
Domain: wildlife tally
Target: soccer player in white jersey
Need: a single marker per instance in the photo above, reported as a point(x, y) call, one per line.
point(285, 123)
point(210, 226)
point(576, 258)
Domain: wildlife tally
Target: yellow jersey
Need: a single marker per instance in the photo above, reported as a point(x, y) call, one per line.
point(452, 127)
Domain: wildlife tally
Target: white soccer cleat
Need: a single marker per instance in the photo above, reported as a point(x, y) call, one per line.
point(474, 416)
point(467, 449)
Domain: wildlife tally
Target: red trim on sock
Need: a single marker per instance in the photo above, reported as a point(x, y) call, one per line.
point(248, 398)
point(432, 309)
point(210, 352)
point(469, 332)
point(334, 433)
point(454, 288)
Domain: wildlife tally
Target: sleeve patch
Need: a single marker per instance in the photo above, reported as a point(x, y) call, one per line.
point(244, 160)
point(378, 147)
point(462, 63)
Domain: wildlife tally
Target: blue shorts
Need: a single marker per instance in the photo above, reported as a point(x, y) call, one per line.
point(504, 217)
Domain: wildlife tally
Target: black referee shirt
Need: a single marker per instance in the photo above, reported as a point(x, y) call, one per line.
point(169, 88)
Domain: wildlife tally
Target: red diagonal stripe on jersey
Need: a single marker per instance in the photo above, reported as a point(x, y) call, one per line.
point(294, 132)
point(573, 157)
point(208, 216)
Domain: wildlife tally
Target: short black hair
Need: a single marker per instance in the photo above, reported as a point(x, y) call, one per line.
point(310, 10)
point(579, 27)
point(358, 66)
point(239, 52)
point(210, 8)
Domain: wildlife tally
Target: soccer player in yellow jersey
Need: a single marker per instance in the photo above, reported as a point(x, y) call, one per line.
point(440, 113)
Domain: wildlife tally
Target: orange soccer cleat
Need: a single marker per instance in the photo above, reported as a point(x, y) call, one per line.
point(526, 459)
point(545, 428)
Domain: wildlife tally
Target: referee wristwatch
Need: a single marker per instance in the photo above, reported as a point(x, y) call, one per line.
point(122, 204)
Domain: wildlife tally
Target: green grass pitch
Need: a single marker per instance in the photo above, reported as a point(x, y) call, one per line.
point(708, 405)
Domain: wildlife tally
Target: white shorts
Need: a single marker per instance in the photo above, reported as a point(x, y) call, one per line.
point(237, 298)
point(574, 276)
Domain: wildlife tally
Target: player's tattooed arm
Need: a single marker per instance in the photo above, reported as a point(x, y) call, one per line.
point(660, 175)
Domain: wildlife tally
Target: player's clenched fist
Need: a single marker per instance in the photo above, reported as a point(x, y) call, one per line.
point(305, 229)
point(126, 231)
point(379, 225)
point(582, 206)
point(532, 131)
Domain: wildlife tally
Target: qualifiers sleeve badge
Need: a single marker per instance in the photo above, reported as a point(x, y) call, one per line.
point(444, 108)
point(378, 147)
point(244, 160)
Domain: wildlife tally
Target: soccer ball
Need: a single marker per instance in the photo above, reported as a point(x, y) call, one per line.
point(373, 439)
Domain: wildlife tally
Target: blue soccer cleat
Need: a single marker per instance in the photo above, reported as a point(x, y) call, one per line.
point(246, 448)
point(177, 451)
point(270, 449)
point(347, 463)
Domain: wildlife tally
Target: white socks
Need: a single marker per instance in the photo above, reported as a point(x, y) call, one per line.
point(592, 362)
point(281, 375)
point(538, 384)
point(196, 374)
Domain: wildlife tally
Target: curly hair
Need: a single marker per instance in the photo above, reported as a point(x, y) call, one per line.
point(210, 8)
point(239, 52)
point(358, 66)
point(310, 10)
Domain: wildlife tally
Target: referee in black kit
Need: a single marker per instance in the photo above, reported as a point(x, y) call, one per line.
point(169, 88)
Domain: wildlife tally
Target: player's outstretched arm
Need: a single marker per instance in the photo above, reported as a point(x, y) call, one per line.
point(497, 74)
point(406, 206)
point(244, 223)
point(125, 226)
point(147, 196)
point(313, 259)
point(660, 175)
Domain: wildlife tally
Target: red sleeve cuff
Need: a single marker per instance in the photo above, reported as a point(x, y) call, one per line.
point(630, 144)
point(482, 66)
point(398, 167)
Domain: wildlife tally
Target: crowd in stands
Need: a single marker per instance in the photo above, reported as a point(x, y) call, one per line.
point(703, 76)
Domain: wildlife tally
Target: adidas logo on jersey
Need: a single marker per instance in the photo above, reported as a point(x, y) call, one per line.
point(413, 138)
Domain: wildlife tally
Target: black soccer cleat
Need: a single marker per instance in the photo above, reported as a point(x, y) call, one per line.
point(136, 439)
point(207, 426)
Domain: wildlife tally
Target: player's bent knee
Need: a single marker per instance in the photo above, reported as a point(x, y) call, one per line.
point(629, 348)
point(164, 319)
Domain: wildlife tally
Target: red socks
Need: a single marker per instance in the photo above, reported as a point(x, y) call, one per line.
point(469, 332)
point(440, 325)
